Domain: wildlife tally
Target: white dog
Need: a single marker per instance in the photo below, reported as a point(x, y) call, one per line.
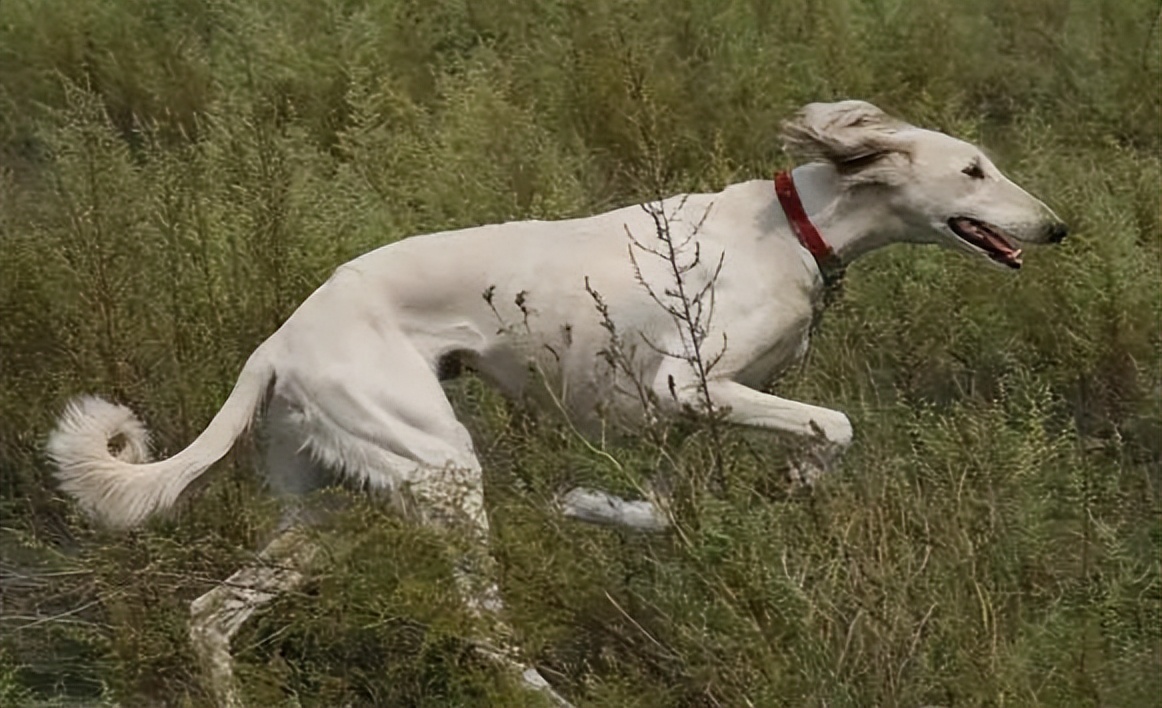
point(351, 381)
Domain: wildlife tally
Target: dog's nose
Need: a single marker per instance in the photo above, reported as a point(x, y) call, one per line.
point(1058, 232)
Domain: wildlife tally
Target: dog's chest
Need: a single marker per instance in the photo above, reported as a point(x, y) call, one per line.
point(789, 347)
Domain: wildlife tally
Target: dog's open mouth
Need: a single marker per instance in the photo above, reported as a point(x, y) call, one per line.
point(987, 238)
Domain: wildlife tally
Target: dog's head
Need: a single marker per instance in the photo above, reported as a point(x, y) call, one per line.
point(938, 189)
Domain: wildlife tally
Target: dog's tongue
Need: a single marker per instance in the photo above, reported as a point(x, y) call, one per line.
point(1001, 246)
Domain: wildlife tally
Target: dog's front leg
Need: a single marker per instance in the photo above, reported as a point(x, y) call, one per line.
point(746, 406)
point(827, 431)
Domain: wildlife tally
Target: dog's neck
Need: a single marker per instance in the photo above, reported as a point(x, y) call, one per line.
point(851, 223)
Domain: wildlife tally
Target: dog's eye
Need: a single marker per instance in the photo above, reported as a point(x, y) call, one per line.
point(974, 170)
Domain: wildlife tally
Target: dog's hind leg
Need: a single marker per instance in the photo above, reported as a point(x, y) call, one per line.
point(279, 568)
point(218, 615)
point(453, 497)
point(373, 406)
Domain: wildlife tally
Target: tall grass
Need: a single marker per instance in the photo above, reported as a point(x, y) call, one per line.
point(176, 176)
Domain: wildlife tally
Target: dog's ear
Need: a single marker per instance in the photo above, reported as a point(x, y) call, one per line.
point(855, 136)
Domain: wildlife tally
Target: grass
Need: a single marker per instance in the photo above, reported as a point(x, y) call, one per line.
point(175, 177)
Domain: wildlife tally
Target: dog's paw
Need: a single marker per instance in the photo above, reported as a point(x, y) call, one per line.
point(833, 429)
point(596, 507)
point(804, 473)
point(812, 463)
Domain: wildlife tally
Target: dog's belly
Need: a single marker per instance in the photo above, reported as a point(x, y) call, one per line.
point(568, 373)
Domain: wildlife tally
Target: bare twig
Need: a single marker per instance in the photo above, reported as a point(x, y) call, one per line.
point(691, 309)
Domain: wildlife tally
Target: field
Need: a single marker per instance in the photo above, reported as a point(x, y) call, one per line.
point(177, 175)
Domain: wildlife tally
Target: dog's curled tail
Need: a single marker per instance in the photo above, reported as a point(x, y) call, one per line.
point(122, 488)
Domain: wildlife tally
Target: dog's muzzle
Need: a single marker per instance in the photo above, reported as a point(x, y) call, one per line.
point(1056, 233)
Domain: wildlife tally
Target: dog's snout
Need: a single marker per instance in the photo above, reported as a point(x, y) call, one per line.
point(1057, 232)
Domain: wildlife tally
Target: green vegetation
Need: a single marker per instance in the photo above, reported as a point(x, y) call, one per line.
point(177, 175)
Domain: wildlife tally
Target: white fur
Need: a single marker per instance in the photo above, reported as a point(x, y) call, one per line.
point(123, 489)
point(353, 372)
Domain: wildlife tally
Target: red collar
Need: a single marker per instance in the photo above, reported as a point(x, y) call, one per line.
point(804, 230)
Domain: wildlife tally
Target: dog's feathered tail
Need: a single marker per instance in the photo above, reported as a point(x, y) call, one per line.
point(123, 488)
